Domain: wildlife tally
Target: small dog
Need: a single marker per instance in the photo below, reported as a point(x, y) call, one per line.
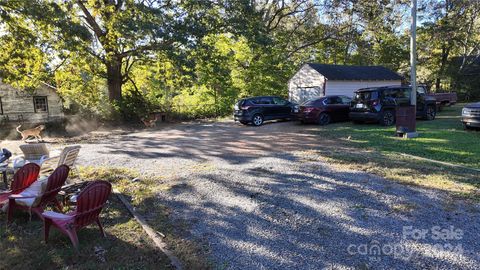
point(150, 121)
point(33, 132)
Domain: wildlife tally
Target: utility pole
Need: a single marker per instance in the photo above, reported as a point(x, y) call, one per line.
point(406, 116)
point(413, 57)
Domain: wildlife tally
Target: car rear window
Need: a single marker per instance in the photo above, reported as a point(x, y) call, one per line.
point(366, 95)
point(262, 100)
point(346, 100)
point(333, 100)
point(312, 102)
point(397, 93)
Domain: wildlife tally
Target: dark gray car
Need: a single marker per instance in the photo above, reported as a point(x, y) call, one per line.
point(378, 104)
point(256, 110)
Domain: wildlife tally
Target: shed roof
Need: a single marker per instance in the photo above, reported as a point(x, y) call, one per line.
point(350, 73)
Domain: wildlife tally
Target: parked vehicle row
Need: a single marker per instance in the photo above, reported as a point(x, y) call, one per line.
point(376, 104)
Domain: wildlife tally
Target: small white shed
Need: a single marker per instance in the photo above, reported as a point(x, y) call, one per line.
point(317, 80)
point(39, 106)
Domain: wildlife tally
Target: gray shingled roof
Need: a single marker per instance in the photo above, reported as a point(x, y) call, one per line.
point(349, 73)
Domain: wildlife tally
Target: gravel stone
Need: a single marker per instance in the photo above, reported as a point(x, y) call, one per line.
point(247, 193)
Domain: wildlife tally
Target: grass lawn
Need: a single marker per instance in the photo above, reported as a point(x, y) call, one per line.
point(375, 149)
point(443, 139)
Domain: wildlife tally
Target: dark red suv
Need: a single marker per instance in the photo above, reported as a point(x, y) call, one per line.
point(325, 110)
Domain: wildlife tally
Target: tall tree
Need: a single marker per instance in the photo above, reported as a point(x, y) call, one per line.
point(31, 34)
point(121, 31)
point(451, 29)
point(126, 30)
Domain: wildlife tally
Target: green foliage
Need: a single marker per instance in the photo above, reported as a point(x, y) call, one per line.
point(196, 58)
point(448, 40)
point(31, 34)
point(21, 64)
point(83, 89)
point(367, 34)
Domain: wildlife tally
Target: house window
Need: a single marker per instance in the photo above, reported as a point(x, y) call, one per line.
point(40, 104)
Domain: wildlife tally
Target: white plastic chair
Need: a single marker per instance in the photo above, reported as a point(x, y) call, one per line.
point(68, 156)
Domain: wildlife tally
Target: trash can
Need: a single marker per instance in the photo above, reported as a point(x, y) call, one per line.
point(405, 119)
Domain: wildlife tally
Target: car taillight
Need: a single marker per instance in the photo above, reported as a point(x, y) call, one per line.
point(375, 102)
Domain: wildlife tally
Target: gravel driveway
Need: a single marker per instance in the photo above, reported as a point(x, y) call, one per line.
point(260, 200)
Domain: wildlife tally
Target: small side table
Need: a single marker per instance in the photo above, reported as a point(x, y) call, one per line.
point(69, 191)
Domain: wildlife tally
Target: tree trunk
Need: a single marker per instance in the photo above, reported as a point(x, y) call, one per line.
point(437, 83)
point(114, 80)
point(443, 64)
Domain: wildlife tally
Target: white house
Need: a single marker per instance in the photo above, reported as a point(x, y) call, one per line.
point(317, 80)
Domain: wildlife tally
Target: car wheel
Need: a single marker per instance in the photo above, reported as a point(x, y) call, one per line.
point(466, 127)
point(244, 122)
point(387, 118)
point(324, 119)
point(257, 120)
point(430, 113)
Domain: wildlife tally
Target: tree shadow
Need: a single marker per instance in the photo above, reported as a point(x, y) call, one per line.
point(315, 218)
point(226, 141)
point(267, 208)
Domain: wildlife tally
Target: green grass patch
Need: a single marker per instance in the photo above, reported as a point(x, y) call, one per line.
point(458, 182)
point(375, 149)
point(443, 139)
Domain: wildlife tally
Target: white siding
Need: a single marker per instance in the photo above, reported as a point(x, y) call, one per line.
point(18, 105)
point(305, 84)
point(348, 87)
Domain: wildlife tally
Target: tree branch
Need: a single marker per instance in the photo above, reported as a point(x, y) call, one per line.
point(91, 20)
point(147, 47)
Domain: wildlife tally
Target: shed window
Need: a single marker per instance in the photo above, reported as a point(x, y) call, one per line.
point(40, 104)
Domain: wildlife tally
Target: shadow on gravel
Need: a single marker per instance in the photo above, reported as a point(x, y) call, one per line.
point(315, 218)
point(232, 143)
point(274, 210)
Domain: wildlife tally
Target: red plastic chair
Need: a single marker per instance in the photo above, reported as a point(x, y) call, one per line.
point(89, 205)
point(54, 184)
point(22, 179)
